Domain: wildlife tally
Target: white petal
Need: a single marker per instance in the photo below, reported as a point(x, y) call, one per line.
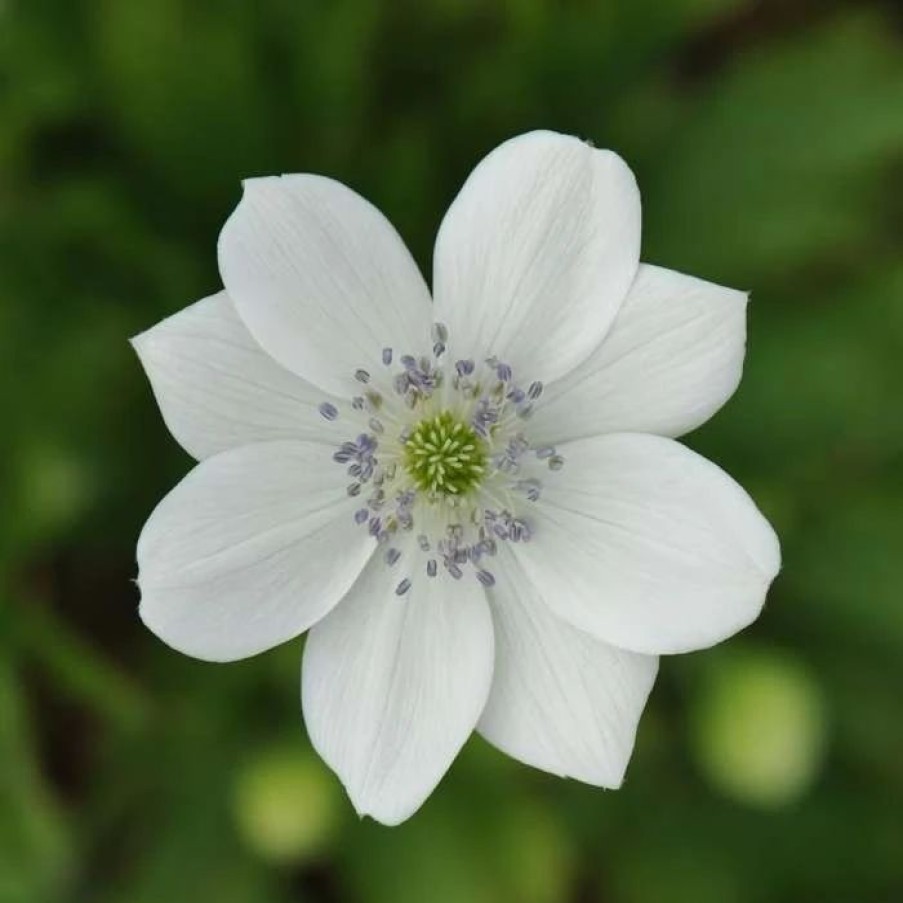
point(251, 548)
point(536, 254)
point(321, 278)
point(218, 389)
point(673, 356)
point(648, 545)
point(393, 685)
point(561, 700)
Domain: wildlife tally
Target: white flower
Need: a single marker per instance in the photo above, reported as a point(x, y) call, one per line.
point(473, 501)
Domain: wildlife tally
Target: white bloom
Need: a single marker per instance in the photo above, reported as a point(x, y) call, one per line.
point(472, 501)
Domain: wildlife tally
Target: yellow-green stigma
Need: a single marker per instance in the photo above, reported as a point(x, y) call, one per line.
point(444, 455)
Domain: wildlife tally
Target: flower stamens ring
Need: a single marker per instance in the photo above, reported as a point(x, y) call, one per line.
point(446, 455)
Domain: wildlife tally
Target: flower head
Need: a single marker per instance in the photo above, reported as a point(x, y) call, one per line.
point(472, 500)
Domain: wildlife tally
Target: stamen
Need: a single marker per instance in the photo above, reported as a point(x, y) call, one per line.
point(531, 487)
point(486, 578)
point(440, 337)
point(487, 546)
point(516, 395)
point(456, 475)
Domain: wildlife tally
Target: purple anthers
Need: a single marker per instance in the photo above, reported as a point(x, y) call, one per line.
point(440, 337)
point(484, 417)
point(531, 488)
point(505, 526)
point(486, 578)
point(415, 443)
point(508, 460)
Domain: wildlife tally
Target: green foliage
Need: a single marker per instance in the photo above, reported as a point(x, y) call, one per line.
point(768, 141)
point(34, 849)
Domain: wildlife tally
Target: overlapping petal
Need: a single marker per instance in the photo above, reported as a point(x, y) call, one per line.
point(561, 700)
point(321, 278)
point(251, 548)
point(649, 546)
point(393, 685)
point(673, 356)
point(218, 389)
point(536, 253)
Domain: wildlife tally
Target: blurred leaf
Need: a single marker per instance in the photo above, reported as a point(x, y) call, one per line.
point(779, 162)
point(79, 673)
point(846, 571)
point(149, 58)
point(35, 851)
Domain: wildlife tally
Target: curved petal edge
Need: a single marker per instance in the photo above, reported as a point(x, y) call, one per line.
point(393, 685)
point(561, 700)
point(254, 546)
point(649, 546)
point(672, 358)
point(536, 254)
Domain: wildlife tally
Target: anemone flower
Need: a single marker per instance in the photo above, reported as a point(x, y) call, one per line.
point(472, 500)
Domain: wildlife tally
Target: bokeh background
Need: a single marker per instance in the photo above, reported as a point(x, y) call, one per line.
point(768, 142)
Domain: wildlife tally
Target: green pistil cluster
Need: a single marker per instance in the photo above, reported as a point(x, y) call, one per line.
point(445, 455)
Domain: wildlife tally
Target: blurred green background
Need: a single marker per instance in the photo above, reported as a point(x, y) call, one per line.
point(768, 142)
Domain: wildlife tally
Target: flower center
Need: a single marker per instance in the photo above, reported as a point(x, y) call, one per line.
point(444, 455)
point(441, 462)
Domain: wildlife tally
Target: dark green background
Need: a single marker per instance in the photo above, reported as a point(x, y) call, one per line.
point(768, 141)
